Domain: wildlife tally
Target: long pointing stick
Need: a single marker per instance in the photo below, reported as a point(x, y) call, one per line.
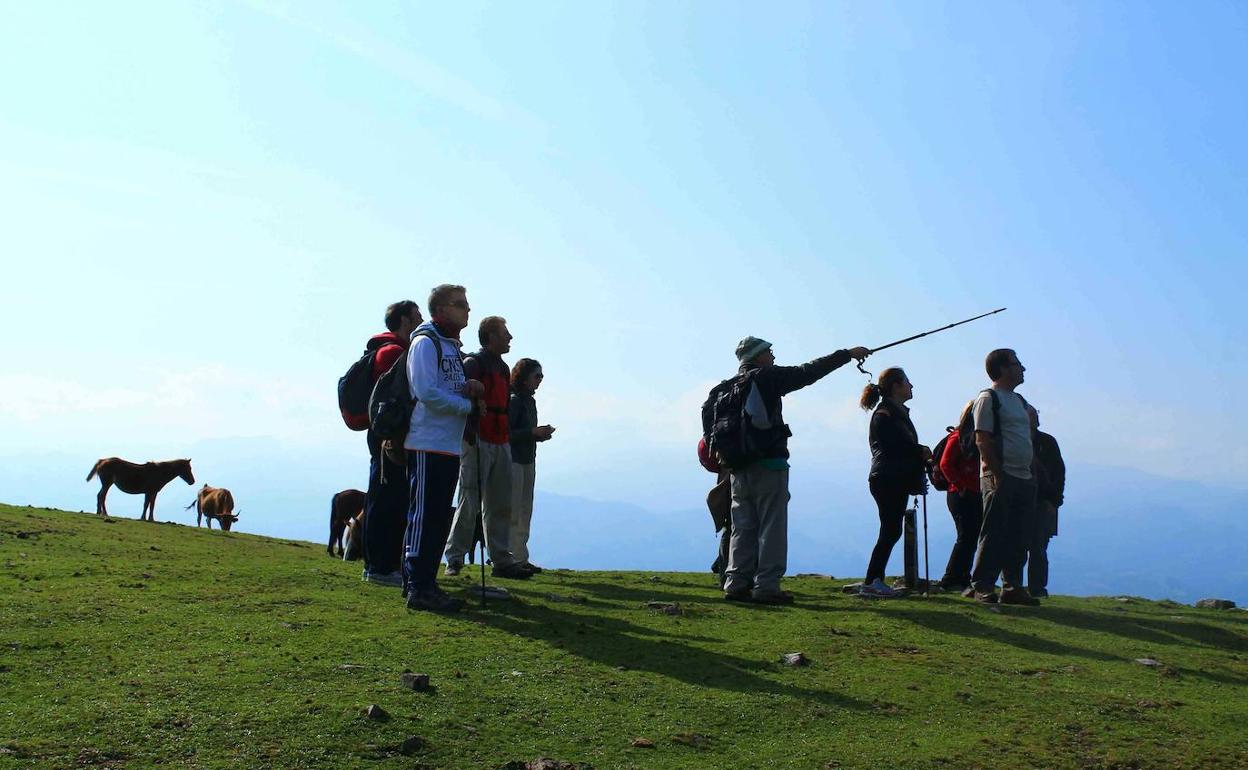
point(924, 334)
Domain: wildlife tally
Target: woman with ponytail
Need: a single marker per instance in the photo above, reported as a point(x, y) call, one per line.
point(897, 466)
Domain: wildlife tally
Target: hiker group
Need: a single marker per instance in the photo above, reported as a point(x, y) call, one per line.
point(1004, 479)
point(437, 419)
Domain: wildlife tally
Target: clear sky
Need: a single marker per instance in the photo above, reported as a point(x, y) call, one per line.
point(205, 207)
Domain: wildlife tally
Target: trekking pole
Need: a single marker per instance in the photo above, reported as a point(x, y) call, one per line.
point(924, 334)
point(481, 513)
point(927, 567)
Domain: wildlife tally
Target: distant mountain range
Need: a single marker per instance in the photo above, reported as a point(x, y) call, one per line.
point(1122, 531)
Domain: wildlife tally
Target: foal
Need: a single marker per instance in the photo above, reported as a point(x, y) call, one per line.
point(146, 479)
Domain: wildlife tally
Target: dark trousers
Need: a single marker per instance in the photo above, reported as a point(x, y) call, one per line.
point(1009, 508)
point(1038, 547)
point(431, 479)
point(891, 501)
point(966, 508)
point(385, 515)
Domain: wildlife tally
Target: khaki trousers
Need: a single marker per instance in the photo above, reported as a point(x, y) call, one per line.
point(523, 479)
point(495, 462)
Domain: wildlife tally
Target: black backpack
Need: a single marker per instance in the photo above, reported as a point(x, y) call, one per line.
point(966, 430)
point(390, 404)
point(356, 386)
point(730, 436)
point(939, 482)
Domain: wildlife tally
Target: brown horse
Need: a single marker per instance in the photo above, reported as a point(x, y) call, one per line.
point(146, 479)
point(344, 507)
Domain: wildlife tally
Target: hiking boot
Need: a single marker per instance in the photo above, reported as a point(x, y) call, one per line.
point(772, 597)
point(953, 586)
point(453, 568)
point(985, 598)
point(877, 588)
point(737, 596)
point(433, 599)
point(1019, 596)
point(392, 579)
point(531, 567)
point(512, 572)
point(1039, 593)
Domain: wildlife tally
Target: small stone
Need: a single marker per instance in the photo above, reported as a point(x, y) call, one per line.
point(376, 713)
point(796, 659)
point(411, 745)
point(349, 666)
point(642, 743)
point(1216, 604)
point(1148, 662)
point(417, 682)
point(1123, 599)
point(671, 608)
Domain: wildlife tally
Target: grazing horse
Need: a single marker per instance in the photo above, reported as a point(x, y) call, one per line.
point(214, 503)
point(345, 505)
point(146, 479)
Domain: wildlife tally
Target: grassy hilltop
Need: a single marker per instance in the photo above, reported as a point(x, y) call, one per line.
point(128, 645)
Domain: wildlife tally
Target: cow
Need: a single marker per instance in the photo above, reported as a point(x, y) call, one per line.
point(214, 503)
point(344, 507)
point(146, 479)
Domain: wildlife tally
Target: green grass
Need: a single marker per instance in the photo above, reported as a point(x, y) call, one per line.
point(126, 644)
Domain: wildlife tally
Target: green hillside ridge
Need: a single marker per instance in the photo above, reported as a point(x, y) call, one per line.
point(126, 644)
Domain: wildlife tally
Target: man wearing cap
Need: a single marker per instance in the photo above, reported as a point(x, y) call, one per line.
point(759, 546)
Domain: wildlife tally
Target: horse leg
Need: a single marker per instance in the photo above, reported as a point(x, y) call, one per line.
point(149, 508)
point(100, 508)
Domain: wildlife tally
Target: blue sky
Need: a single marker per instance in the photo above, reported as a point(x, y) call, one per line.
point(204, 209)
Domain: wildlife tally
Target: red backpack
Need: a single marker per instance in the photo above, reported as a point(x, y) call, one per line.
point(961, 471)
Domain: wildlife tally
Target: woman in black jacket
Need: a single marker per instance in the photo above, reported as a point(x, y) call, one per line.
point(897, 465)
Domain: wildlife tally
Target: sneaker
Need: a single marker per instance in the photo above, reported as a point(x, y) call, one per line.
point(877, 588)
point(1039, 593)
point(453, 568)
point(772, 597)
point(1019, 596)
point(433, 599)
point(393, 579)
point(512, 572)
point(986, 598)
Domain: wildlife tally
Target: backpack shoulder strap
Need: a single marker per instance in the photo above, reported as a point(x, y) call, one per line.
point(437, 343)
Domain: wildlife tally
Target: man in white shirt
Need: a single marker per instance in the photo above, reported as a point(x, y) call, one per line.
point(1003, 435)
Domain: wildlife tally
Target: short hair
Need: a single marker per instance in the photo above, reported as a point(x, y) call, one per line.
point(523, 368)
point(491, 323)
point(441, 294)
point(397, 312)
point(998, 360)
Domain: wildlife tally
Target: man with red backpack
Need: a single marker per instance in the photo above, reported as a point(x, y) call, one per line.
point(385, 503)
point(961, 474)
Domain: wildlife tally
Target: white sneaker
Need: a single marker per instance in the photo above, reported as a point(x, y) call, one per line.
point(394, 579)
point(454, 568)
point(877, 588)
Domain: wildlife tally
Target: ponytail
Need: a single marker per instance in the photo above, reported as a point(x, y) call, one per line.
point(870, 397)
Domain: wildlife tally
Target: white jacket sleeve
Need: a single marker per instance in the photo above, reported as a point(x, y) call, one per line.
point(426, 380)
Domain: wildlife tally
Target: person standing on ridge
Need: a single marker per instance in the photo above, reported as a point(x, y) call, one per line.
point(385, 503)
point(1050, 494)
point(485, 475)
point(758, 547)
point(442, 398)
point(1007, 485)
point(897, 463)
point(525, 433)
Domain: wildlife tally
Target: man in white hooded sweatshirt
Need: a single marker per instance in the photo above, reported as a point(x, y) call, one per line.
point(443, 399)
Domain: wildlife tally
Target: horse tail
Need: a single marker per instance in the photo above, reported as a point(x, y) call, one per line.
point(94, 468)
point(192, 505)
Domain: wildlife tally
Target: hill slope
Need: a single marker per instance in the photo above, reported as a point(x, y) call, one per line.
point(127, 645)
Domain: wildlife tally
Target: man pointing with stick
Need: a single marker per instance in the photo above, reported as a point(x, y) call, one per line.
point(748, 435)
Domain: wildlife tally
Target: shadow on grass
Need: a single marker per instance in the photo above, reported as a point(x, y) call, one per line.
point(960, 624)
point(636, 593)
point(1152, 630)
point(615, 642)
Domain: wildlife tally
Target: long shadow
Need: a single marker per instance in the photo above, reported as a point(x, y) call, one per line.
point(960, 624)
point(615, 642)
point(1151, 630)
point(654, 592)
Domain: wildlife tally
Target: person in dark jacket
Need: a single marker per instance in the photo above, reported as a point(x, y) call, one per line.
point(965, 506)
point(525, 433)
point(897, 464)
point(385, 503)
point(1050, 494)
point(758, 546)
